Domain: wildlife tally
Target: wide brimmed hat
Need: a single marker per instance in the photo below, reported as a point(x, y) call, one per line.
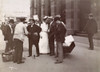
point(58, 16)
point(31, 19)
point(45, 17)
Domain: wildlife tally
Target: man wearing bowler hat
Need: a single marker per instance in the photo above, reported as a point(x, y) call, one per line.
point(33, 36)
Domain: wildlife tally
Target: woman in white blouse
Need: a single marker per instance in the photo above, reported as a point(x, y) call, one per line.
point(43, 42)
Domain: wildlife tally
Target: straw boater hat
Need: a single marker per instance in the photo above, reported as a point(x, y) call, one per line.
point(58, 16)
point(50, 17)
point(45, 17)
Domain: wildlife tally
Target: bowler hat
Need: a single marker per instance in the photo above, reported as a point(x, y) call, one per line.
point(11, 21)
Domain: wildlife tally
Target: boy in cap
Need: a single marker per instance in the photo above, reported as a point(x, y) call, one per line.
point(91, 29)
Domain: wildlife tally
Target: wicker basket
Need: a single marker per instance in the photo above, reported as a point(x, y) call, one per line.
point(6, 57)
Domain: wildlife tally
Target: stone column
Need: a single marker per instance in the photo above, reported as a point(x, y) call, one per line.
point(47, 8)
point(39, 9)
point(52, 7)
point(58, 6)
point(1, 9)
point(76, 19)
point(69, 15)
point(42, 9)
point(35, 7)
point(31, 8)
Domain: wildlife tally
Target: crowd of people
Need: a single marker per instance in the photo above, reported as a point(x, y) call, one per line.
point(43, 35)
point(48, 36)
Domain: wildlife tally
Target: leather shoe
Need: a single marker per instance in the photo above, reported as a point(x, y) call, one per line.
point(51, 54)
point(57, 62)
point(91, 48)
point(14, 61)
point(29, 56)
point(20, 62)
point(37, 55)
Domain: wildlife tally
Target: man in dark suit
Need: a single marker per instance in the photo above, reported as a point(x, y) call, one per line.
point(33, 36)
point(51, 38)
point(50, 23)
point(91, 29)
point(8, 36)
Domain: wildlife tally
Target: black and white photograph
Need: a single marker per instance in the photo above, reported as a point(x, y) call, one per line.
point(49, 35)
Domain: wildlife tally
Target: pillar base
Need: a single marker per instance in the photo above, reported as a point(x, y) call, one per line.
point(70, 32)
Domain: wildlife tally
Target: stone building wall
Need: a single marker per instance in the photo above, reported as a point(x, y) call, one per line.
point(74, 12)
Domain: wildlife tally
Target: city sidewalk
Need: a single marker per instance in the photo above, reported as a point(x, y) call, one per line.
point(80, 60)
point(84, 40)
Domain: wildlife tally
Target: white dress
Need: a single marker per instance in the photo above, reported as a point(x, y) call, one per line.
point(43, 42)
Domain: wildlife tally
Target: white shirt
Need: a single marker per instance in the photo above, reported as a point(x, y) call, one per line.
point(20, 31)
point(11, 28)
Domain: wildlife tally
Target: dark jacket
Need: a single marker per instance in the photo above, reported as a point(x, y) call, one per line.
point(91, 26)
point(32, 30)
point(60, 32)
point(52, 30)
point(8, 35)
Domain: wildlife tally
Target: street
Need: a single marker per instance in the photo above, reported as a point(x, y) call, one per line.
point(81, 59)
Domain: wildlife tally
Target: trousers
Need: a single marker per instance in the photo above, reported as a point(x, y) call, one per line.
point(51, 45)
point(18, 45)
point(90, 38)
point(9, 45)
point(30, 47)
point(60, 51)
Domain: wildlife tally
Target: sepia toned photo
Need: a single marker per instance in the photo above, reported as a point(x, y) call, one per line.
point(49, 35)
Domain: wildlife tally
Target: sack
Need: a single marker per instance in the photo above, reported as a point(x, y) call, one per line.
point(68, 40)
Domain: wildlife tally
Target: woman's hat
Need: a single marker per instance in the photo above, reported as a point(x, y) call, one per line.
point(45, 17)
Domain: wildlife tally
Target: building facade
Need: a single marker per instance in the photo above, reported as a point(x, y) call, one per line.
point(74, 13)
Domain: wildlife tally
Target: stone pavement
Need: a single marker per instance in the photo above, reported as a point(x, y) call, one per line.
point(80, 60)
point(85, 41)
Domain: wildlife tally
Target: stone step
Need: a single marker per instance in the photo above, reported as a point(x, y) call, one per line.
point(81, 34)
